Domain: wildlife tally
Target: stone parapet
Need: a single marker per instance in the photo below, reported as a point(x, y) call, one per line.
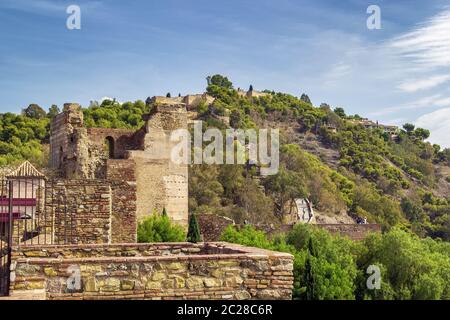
point(152, 271)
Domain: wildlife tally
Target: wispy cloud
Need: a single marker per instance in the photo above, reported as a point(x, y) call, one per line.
point(428, 46)
point(438, 122)
point(423, 84)
point(427, 102)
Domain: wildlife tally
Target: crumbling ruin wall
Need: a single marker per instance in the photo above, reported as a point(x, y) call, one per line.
point(72, 153)
point(122, 177)
point(142, 157)
point(123, 140)
point(353, 231)
point(152, 271)
point(85, 216)
point(160, 182)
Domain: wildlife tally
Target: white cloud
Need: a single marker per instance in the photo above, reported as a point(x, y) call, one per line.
point(336, 73)
point(426, 102)
point(423, 84)
point(438, 122)
point(428, 46)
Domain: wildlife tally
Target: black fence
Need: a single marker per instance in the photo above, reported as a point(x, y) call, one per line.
point(33, 211)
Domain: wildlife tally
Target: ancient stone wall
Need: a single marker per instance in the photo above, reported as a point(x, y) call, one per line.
point(63, 144)
point(123, 140)
point(93, 211)
point(143, 156)
point(123, 217)
point(160, 182)
point(352, 231)
point(85, 216)
point(152, 271)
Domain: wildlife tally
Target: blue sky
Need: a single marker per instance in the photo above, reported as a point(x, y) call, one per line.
point(134, 49)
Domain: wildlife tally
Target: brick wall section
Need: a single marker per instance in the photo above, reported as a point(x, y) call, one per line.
point(121, 170)
point(153, 271)
point(86, 215)
point(123, 139)
point(123, 216)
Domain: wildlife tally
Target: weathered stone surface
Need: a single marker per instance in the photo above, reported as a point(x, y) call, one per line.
point(158, 276)
point(242, 295)
point(153, 285)
point(27, 269)
point(91, 285)
point(127, 285)
point(50, 272)
point(212, 282)
point(110, 285)
point(107, 272)
point(194, 282)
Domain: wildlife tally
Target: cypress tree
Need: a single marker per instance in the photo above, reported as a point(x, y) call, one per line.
point(164, 212)
point(309, 273)
point(193, 235)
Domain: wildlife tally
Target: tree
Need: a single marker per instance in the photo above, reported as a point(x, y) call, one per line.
point(164, 212)
point(251, 88)
point(340, 112)
point(409, 127)
point(168, 95)
point(194, 230)
point(236, 119)
point(422, 134)
point(53, 111)
point(305, 98)
point(309, 273)
point(34, 111)
point(221, 81)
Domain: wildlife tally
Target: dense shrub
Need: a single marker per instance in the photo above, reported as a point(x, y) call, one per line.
point(159, 228)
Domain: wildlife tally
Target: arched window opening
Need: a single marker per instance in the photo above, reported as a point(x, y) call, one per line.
point(109, 146)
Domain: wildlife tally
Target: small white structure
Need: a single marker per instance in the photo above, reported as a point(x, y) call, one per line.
point(305, 211)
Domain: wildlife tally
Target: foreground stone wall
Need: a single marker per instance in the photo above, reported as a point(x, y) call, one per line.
point(152, 271)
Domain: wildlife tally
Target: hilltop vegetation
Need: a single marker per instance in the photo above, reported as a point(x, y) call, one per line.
point(388, 181)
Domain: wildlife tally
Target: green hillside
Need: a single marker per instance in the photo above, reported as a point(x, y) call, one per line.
point(325, 155)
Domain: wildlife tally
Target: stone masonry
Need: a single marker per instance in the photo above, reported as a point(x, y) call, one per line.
point(151, 271)
point(139, 158)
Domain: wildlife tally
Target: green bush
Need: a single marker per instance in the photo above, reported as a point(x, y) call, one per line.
point(159, 228)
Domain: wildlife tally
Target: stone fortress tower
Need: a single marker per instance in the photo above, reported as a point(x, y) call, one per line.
point(141, 159)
